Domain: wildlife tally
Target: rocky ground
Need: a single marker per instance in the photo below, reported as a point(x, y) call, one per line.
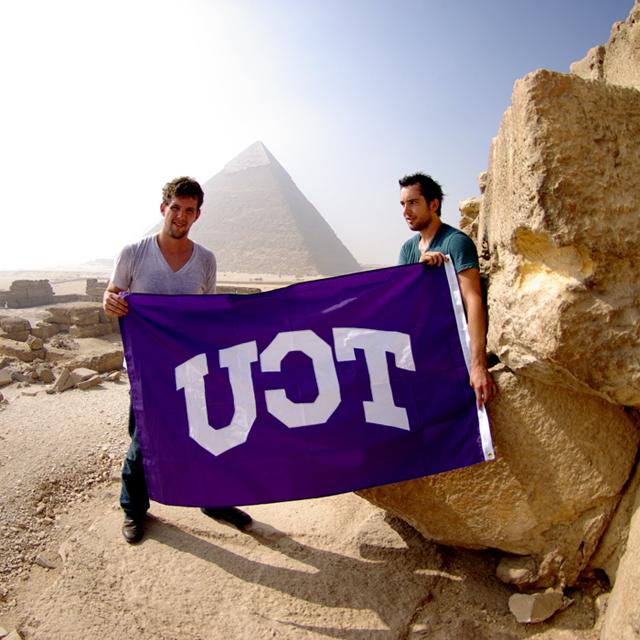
point(335, 567)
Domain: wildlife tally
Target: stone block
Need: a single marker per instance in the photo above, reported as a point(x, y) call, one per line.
point(617, 62)
point(560, 219)
point(91, 330)
point(46, 330)
point(5, 377)
point(622, 618)
point(110, 360)
point(55, 354)
point(63, 382)
point(562, 460)
point(82, 373)
point(20, 350)
point(535, 607)
point(45, 374)
point(35, 344)
point(89, 382)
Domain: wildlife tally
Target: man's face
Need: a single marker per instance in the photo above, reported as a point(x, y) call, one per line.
point(179, 215)
point(418, 213)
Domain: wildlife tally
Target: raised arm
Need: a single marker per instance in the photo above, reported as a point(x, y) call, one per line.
point(480, 378)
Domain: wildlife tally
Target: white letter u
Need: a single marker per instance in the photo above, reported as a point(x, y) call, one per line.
point(190, 377)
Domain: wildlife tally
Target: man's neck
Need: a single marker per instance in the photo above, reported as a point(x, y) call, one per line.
point(427, 234)
point(174, 246)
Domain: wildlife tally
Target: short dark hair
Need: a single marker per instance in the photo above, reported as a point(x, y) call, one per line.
point(429, 188)
point(184, 187)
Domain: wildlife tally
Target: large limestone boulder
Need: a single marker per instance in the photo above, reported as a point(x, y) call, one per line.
point(560, 219)
point(613, 544)
point(622, 619)
point(563, 458)
point(617, 62)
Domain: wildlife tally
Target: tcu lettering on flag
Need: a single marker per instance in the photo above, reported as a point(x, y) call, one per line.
point(319, 388)
point(238, 359)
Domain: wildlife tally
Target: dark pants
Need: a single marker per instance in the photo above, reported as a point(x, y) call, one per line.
point(134, 498)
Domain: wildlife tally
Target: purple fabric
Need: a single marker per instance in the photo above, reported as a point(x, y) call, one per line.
point(278, 462)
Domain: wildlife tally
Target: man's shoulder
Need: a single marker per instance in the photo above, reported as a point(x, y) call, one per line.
point(414, 239)
point(142, 244)
point(459, 246)
point(409, 252)
point(204, 252)
point(448, 232)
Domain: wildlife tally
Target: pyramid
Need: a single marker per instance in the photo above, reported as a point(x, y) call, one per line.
point(256, 220)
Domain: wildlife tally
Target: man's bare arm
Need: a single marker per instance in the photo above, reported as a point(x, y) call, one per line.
point(480, 378)
point(114, 306)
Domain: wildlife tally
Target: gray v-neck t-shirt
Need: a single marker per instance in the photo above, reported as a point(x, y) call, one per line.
point(141, 268)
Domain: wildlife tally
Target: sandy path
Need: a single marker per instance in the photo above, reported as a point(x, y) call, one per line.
point(329, 568)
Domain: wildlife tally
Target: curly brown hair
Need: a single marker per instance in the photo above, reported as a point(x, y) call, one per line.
point(184, 187)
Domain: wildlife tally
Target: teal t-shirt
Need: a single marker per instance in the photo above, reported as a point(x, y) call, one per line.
point(448, 240)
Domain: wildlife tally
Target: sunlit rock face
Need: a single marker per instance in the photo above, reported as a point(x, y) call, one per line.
point(562, 459)
point(560, 219)
point(560, 246)
point(618, 61)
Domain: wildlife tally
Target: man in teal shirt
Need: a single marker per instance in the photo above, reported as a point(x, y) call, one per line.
point(421, 201)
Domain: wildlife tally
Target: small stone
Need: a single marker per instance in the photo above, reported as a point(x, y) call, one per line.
point(114, 376)
point(83, 373)
point(89, 382)
point(35, 344)
point(45, 374)
point(14, 635)
point(517, 570)
point(64, 381)
point(535, 607)
point(40, 508)
point(44, 562)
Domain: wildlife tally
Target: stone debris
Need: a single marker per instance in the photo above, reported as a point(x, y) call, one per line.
point(82, 373)
point(110, 360)
point(55, 354)
point(45, 330)
point(20, 350)
point(114, 376)
point(5, 377)
point(35, 344)
point(14, 328)
point(517, 570)
point(82, 319)
point(89, 382)
point(14, 635)
point(535, 607)
point(95, 288)
point(79, 378)
point(63, 382)
point(27, 293)
point(45, 562)
point(45, 374)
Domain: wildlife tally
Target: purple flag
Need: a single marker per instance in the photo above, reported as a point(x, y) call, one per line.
point(319, 388)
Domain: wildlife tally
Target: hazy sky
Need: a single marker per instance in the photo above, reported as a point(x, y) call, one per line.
point(104, 101)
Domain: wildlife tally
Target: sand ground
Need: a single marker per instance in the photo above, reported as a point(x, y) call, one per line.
point(335, 567)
